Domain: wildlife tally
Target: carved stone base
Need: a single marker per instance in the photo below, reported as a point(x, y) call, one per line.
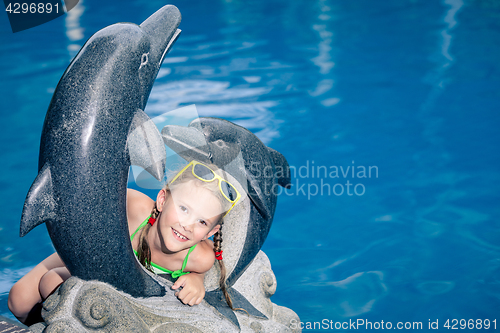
point(92, 306)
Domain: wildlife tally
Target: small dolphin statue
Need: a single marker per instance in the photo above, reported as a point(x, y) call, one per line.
point(91, 135)
point(260, 170)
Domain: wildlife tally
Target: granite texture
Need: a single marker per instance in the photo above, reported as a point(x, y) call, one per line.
point(92, 306)
point(86, 151)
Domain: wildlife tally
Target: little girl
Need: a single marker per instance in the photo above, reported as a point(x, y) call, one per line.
point(169, 236)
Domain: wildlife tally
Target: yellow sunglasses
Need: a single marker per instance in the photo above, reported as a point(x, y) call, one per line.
point(204, 173)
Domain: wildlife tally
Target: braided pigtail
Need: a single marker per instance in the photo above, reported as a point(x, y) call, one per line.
point(218, 255)
point(143, 249)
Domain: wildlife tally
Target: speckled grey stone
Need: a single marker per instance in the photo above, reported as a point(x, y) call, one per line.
point(86, 150)
point(38, 328)
point(92, 306)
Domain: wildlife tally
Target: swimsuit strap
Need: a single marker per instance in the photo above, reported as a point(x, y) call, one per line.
point(157, 268)
point(140, 227)
point(187, 255)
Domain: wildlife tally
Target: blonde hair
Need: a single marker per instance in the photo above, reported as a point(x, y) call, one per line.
point(143, 249)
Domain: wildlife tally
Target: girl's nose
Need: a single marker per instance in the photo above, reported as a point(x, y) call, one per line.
point(186, 224)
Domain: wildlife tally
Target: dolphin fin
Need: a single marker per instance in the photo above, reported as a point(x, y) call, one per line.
point(216, 299)
point(282, 168)
point(145, 145)
point(255, 195)
point(39, 205)
point(240, 302)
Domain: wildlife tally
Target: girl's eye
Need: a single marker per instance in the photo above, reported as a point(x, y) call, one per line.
point(184, 209)
point(203, 222)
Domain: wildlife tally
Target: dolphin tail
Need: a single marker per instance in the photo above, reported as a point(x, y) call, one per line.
point(216, 299)
point(39, 205)
point(145, 145)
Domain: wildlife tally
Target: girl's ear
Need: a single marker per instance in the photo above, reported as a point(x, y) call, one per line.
point(213, 231)
point(160, 199)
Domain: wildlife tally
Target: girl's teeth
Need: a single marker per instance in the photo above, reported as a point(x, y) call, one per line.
point(179, 235)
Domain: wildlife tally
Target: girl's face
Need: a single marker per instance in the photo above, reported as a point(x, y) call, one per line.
point(189, 214)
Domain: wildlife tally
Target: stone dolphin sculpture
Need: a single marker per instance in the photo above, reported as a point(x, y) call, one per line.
point(94, 129)
point(257, 168)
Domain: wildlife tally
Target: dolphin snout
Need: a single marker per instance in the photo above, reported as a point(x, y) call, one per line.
point(161, 28)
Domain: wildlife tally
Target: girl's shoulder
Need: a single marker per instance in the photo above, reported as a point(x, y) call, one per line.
point(139, 207)
point(202, 258)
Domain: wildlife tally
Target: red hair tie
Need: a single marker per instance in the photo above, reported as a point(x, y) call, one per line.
point(218, 255)
point(151, 220)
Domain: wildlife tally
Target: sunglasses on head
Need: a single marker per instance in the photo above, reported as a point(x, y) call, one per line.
point(204, 173)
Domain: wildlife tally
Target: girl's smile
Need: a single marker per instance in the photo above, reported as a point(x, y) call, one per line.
point(189, 214)
point(180, 236)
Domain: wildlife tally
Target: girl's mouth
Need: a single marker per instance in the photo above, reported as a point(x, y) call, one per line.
point(179, 236)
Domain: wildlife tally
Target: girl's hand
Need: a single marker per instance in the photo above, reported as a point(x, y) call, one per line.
point(193, 289)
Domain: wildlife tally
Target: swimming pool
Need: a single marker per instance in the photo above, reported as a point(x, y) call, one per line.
point(387, 113)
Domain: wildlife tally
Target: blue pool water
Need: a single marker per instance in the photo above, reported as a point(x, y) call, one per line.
point(404, 92)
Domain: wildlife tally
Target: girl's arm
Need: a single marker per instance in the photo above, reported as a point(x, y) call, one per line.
point(45, 277)
point(193, 289)
point(26, 292)
point(200, 261)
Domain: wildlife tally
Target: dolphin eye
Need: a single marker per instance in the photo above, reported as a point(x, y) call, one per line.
point(220, 143)
point(144, 59)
